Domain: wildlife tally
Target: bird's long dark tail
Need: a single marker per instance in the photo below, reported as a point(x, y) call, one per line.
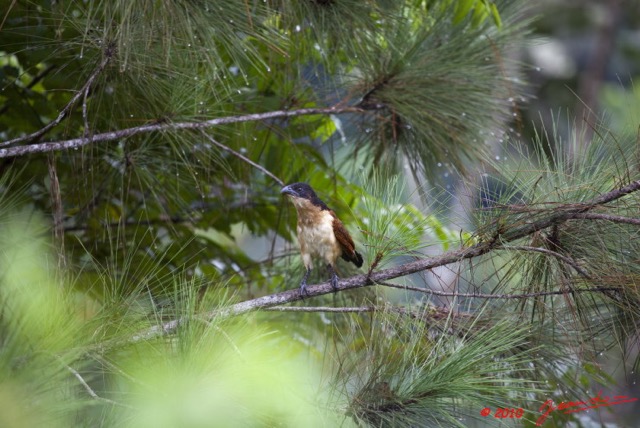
point(355, 258)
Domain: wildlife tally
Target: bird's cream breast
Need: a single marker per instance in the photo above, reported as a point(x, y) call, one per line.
point(315, 232)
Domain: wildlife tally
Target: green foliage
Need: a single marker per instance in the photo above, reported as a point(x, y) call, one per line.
point(547, 178)
point(69, 360)
point(622, 107)
point(192, 61)
point(418, 377)
point(545, 181)
point(391, 228)
point(479, 10)
point(436, 87)
point(222, 376)
point(41, 330)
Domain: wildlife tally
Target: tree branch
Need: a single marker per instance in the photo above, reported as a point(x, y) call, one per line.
point(155, 127)
point(607, 217)
point(108, 54)
point(382, 276)
point(90, 391)
point(320, 309)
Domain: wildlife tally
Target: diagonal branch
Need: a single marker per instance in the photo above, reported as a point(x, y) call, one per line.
point(500, 296)
point(321, 309)
point(242, 157)
point(91, 392)
point(419, 265)
point(67, 109)
point(161, 126)
point(567, 260)
point(4, 18)
point(607, 217)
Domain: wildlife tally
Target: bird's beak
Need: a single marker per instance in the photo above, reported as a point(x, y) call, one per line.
point(287, 190)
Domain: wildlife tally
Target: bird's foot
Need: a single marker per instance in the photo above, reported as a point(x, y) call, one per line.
point(303, 283)
point(334, 277)
point(303, 288)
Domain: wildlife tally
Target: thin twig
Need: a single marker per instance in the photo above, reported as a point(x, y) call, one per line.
point(242, 157)
point(85, 116)
point(382, 276)
point(4, 19)
point(562, 257)
point(607, 217)
point(320, 309)
point(57, 209)
point(161, 126)
point(108, 54)
point(91, 392)
point(500, 296)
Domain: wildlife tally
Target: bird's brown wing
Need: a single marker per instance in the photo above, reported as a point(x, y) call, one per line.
point(345, 241)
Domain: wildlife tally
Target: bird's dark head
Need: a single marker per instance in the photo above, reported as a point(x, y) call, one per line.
point(300, 192)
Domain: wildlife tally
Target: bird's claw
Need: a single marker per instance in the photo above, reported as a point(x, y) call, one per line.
point(303, 283)
point(303, 289)
point(334, 281)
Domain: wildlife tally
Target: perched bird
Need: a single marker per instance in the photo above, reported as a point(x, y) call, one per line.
point(320, 233)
